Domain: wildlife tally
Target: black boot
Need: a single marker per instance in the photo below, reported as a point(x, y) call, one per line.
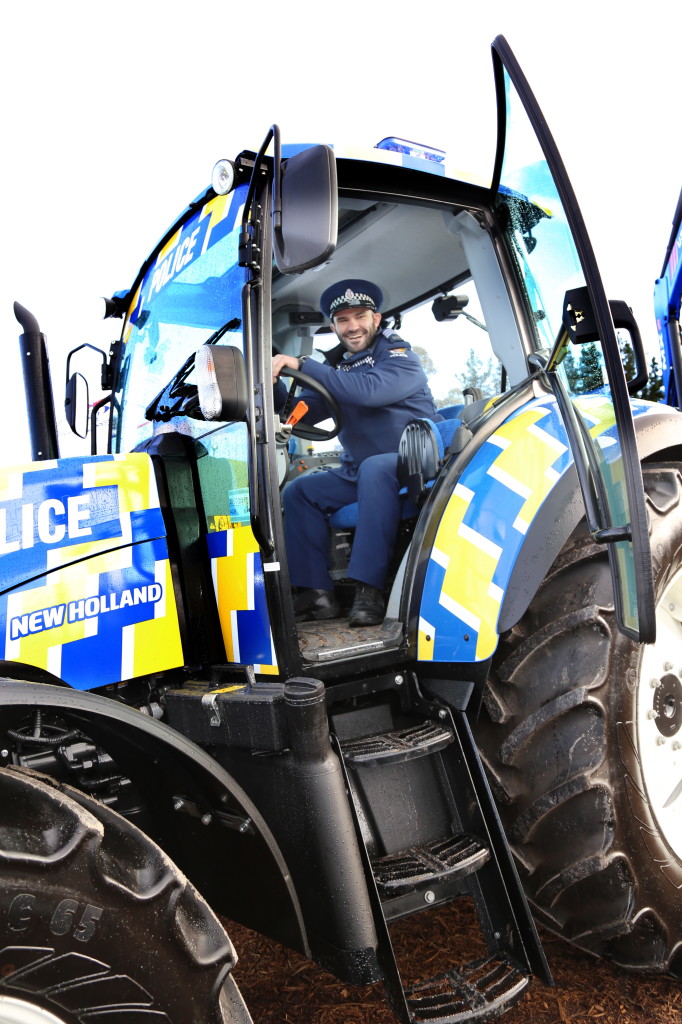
point(315, 604)
point(368, 607)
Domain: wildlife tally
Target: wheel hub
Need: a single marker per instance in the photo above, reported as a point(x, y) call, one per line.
point(16, 1011)
point(659, 716)
point(667, 705)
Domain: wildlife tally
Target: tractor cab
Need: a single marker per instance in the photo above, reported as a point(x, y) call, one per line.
point(495, 288)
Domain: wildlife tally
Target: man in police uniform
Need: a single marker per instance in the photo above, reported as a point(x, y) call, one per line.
point(380, 386)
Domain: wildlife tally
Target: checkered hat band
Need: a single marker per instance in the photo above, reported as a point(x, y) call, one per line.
point(357, 299)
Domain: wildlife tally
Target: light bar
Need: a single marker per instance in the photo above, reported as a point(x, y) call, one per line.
point(413, 149)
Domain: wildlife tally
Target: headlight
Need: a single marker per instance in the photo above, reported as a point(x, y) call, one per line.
point(222, 178)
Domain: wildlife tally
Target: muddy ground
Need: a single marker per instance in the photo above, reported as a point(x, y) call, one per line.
point(281, 987)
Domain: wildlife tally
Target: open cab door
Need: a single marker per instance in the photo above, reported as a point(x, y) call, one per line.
point(577, 351)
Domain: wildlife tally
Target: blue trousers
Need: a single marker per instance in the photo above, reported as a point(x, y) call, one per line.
point(309, 501)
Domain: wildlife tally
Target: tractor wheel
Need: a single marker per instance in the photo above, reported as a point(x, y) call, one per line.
point(582, 738)
point(96, 924)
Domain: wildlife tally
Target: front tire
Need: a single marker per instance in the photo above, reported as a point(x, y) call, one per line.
point(582, 738)
point(97, 926)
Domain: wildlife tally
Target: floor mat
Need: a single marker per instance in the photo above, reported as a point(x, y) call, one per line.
point(334, 638)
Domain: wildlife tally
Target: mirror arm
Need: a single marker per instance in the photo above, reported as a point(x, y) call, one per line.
point(675, 346)
point(93, 421)
point(94, 348)
point(246, 246)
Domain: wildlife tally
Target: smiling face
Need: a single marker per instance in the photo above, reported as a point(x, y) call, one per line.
point(356, 327)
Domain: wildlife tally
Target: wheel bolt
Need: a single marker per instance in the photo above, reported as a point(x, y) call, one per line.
point(660, 740)
point(651, 714)
point(654, 683)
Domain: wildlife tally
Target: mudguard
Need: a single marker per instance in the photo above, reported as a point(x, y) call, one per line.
point(511, 511)
point(195, 809)
point(197, 812)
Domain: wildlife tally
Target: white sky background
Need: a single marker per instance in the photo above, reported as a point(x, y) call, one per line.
point(114, 114)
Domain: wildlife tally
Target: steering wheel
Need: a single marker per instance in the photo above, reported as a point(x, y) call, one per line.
point(304, 430)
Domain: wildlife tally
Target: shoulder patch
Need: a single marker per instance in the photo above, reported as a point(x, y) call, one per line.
point(398, 352)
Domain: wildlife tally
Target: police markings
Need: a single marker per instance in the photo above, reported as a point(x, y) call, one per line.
point(488, 547)
point(465, 493)
point(502, 477)
point(521, 525)
point(440, 558)
point(182, 254)
point(527, 470)
point(462, 613)
point(500, 442)
point(542, 435)
point(49, 522)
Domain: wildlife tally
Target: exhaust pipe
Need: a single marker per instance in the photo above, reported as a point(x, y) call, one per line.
point(38, 387)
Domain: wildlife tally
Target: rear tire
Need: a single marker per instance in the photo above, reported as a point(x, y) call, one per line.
point(584, 752)
point(97, 926)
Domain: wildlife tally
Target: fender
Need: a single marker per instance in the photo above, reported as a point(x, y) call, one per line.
point(659, 437)
point(200, 815)
point(197, 811)
point(510, 512)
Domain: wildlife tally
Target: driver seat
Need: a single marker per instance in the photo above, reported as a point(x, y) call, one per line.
point(421, 453)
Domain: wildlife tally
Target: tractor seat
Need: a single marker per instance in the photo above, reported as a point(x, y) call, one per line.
point(420, 455)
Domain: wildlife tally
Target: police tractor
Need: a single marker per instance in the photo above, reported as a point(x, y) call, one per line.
point(175, 746)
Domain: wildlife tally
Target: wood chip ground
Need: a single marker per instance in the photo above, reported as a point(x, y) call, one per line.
point(281, 987)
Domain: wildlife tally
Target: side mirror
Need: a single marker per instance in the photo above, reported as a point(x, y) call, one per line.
point(77, 403)
point(305, 231)
point(623, 320)
point(221, 383)
point(580, 324)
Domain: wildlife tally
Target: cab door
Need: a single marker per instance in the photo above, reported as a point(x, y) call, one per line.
point(572, 335)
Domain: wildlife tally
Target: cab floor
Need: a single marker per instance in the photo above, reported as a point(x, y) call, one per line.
point(335, 639)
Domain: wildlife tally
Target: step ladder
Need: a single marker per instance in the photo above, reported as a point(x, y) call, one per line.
point(471, 858)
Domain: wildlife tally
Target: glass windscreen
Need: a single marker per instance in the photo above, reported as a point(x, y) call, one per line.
point(191, 290)
point(542, 246)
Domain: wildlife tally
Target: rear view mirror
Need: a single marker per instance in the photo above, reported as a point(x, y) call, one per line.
point(581, 326)
point(306, 234)
point(76, 404)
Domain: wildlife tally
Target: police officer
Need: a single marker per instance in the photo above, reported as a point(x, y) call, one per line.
point(380, 386)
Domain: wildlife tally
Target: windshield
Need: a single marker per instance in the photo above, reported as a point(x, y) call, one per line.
point(192, 289)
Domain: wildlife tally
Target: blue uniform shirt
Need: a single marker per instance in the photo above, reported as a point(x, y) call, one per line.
point(379, 390)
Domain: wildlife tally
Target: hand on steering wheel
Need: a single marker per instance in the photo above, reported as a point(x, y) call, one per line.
point(305, 430)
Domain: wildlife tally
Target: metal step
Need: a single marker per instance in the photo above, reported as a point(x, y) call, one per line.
point(476, 991)
point(453, 856)
point(400, 745)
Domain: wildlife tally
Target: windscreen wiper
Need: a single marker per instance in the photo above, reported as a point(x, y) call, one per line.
point(179, 398)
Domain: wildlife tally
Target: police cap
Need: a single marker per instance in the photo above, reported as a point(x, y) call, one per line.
point(348, 294)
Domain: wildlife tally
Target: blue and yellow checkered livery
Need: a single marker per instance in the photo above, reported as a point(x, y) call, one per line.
point(239, 583)
point(86, 589)
point(485, 521)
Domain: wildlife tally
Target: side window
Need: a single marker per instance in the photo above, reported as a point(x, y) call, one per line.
point(452, 341)
point(222, 465)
